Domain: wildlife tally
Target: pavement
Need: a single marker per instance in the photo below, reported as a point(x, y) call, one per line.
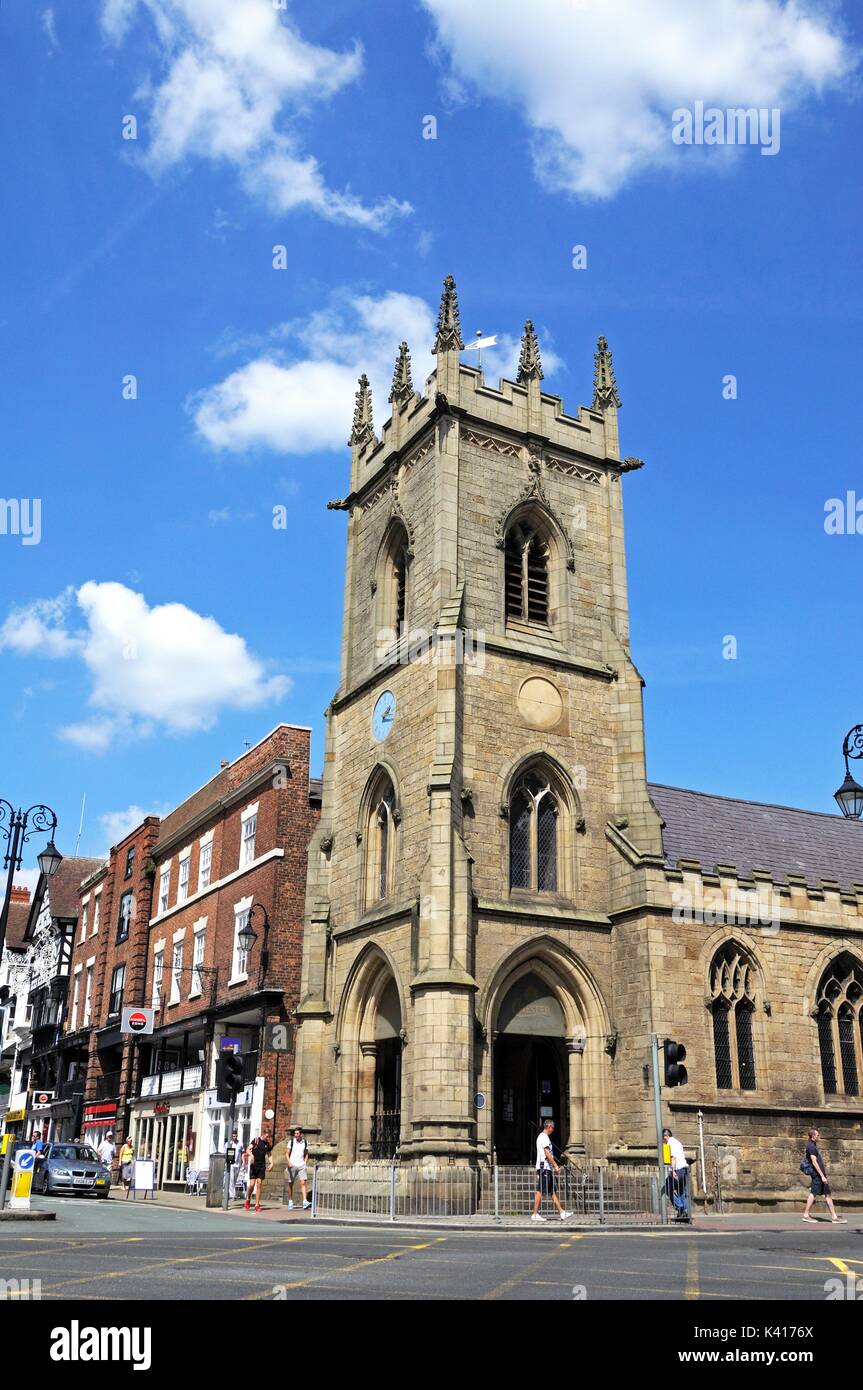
point(730, 1221)
point(178, 1251)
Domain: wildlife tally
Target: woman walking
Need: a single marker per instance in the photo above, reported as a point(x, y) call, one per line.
point(819, 1187)
point(127, 1153)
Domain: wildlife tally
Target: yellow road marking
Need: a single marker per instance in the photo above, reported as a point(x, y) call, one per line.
point(163, 1264)
point(349, 1269)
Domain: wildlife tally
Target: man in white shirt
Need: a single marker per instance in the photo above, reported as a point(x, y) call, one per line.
point(106, 1150)
point(546, 1167)
point(298, 1154)
point(677, 1183)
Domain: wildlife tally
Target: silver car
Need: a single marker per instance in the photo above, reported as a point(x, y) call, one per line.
point(71, 1168)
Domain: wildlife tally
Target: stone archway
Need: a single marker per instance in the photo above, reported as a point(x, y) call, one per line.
point(369, 1070)
point(544, 1021)
point(530, 1069)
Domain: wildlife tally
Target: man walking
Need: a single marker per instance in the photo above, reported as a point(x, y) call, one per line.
point(546, 1168)
point(106, 1151)
point(239, 1158)
point(677, 1182)
point(298, 1154)
point(819, 1186)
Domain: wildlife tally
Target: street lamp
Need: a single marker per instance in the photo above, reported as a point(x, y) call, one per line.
point(16, 828)
point(850, 794)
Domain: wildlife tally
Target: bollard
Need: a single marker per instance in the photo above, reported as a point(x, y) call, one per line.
point(393, 1192)
point(601, 1189)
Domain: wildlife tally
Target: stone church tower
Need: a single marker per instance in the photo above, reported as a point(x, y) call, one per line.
point(501, 912)
point(484, 756)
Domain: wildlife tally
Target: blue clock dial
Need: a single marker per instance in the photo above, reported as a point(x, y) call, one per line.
point(384, 714)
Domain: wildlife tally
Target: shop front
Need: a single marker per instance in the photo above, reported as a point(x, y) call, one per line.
point(100, 1119)
point(168, 1131)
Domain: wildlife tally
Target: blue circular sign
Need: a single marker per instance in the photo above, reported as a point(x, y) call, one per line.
point(25, 1160)
point(479, 1100)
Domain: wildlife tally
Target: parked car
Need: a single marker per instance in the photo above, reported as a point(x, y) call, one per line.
point(71, 1168)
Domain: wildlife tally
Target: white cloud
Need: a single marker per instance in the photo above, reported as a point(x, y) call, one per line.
point(597, 82)
point(302, 406)
point(235, 72)
point(49, 28)
point(40, 627)
point(299, 407)
point(116, 825)
point(163, 667)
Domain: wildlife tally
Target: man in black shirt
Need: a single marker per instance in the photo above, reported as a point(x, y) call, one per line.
point(259, 1161)
point(820, 1187)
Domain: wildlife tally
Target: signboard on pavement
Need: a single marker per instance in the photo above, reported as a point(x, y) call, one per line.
point(137, 1018)
point(22, 1179)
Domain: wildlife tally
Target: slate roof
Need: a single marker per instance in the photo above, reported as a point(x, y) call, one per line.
point(63, 886)
point(753, 835)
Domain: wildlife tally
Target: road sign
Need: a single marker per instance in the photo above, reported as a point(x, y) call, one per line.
point(137, 1018)
point(278, 1037)
point(22, 1179)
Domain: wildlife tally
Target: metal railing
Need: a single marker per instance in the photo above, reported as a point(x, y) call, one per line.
point(390, 1191)
point(386, 1131)
point(169, 1082)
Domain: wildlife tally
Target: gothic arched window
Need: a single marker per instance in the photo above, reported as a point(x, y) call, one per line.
point(526, 574)
point(733, 983)
point(839, 1016)
point(533, 834)
point(391, 583)
point(379, 837)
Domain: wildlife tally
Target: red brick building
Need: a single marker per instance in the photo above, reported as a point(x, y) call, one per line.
point(107, 968)
point(232, 854)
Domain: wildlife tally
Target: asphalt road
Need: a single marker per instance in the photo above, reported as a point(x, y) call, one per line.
point(110, 1251)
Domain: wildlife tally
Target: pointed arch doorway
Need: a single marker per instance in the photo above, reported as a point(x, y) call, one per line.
point(531, 1070)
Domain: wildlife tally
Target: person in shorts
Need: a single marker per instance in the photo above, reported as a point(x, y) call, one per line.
point(546, 1168)
point(819, 1186)
point(298, 1154)
point(259, 1161)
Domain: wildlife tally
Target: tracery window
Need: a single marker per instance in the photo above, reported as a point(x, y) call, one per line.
point(733, 984)
point(839, 1016)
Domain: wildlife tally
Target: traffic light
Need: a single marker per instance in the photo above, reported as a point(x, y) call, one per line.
point(675, 1056)
point(229, 1077)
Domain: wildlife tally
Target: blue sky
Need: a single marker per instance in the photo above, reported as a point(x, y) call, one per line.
point(153, 257)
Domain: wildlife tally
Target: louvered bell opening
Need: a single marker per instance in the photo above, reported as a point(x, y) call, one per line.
point(519, 843)
point(537, 582)
point(401, 569)
point(722, 1046)
point(847, 1051)
point(546, 846)
point(825, 1042)
point(383, 844)
point(745, 1046)
point(512, 581)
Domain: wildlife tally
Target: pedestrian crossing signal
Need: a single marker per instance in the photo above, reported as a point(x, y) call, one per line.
point(675, 1055)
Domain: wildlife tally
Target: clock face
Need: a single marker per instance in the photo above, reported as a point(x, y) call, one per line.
point(385, 713)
